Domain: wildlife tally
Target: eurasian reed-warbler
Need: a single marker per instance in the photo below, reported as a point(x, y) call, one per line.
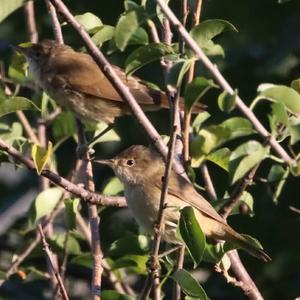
point(75, 81)
point(141, 170)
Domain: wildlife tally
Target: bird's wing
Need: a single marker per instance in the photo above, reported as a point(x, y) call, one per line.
point(181, 188)
point(77, 70)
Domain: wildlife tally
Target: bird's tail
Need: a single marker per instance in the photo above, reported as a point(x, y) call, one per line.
point(249, 244)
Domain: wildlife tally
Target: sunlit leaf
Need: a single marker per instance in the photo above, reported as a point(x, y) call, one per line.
point(58, 243)
point(113, 187)
point(244, 158)
point(191, 233)
point(134, 263)
point(127, 25)
point(105, 33)
point(8, 7)
point(220, 158)
point(84, 260)
point(189, 284)
point(89, 21)
point(282, 94)
point(41, 156)
point(17, 68)
point(46, 201)
point(146, 54)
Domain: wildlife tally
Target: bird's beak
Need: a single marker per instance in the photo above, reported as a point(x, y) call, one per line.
point(20, 49)
point(107, 162)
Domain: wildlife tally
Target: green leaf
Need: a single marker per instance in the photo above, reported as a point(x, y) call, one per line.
point(244, 158)
point(139, 37)
point(192, 234)
point(131, 244)
point(294, 129)
point(104, 34)
point(110, 136)
point(133, 263)
point(280, 113)
point(18, 66)
point(214, 136)
point(276, 173)
point(84, 260)
point(8, 7)
point(71, 208)
point(127, 26)
point(227, 101)
point(113, 295)
point(176, 74)
point(113, 187)
point(220, 158)
point(11, 133)
point(282, 94)
point(46, 201)
point(13, 104)
point(89, 21)
point(40, 156)
point(295, 84)
point(57, 243)
point(206, 31)
point(189, 284)
point(146, 54)
point(63, 126)
point(213, 253)
point(196, 90)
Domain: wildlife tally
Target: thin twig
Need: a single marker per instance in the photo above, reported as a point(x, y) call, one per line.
point(190, 77)
point(120, 87)
point(30, 21)
point(21, 257)
point(164, 192)
point(55, 23)
point(87, 178)
point(209, 187)
point(64, 183)
point(52, 263)
point(179, 265)
point(224, 84)
point(237, 193)
point(153, 31)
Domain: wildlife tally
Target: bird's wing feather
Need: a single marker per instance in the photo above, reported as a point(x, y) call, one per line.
point(181, 188)
point(77, 72)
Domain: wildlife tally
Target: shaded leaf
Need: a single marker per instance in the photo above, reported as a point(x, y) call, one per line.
point(246, 199)
point(71, 208)
point(41, 156)
point(113, 295)
point(196, 90)
point(146, 54)
point(13, 104)
point(176, 74)
point(46, 201)
point(84, 260)
point(227, 101)
point(57, 243)
point(206, 31)
point(131, 244)
point(64, 125)
point(134, 263)
point(189, 284)
point(294, 129)
point(276, 173)
point(18, 66)
point(191, 233)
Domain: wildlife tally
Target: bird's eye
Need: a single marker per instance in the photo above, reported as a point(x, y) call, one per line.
point(130, 162)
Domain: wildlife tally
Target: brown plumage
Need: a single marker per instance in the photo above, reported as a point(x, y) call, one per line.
point(141, 170)
point(75, 81)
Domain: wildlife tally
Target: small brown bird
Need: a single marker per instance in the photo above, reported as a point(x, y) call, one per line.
point(141, 170)
point(75, 81)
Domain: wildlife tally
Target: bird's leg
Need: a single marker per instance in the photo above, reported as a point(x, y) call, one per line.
point(83, 148)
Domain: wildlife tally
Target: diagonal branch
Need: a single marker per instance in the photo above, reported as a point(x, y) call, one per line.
point(223, 83)
point(64, 183)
